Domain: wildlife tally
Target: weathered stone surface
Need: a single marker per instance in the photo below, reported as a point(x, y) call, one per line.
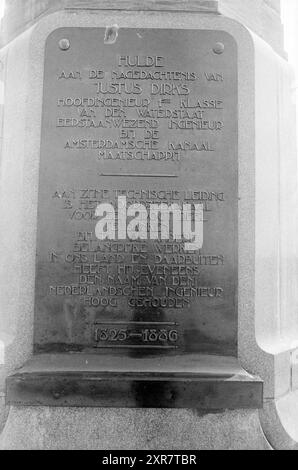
point(259, 16)
point(262, 16)
point(275, 4)
point(281, 415)
point(3, 412)
point(87, 428)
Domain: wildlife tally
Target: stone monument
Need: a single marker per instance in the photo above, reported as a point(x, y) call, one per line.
point(148, 275)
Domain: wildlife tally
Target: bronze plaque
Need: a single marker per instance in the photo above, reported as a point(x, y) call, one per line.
point(137, 211)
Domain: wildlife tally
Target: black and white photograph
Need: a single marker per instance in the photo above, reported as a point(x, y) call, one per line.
point(148, 229)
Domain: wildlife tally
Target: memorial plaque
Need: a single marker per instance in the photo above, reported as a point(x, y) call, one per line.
point(137, 209)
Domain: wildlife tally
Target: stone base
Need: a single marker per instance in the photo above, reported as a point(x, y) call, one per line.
point(44, 428)
point(189, 381)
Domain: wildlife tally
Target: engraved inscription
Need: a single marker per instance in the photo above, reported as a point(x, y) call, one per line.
point(137, 224)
